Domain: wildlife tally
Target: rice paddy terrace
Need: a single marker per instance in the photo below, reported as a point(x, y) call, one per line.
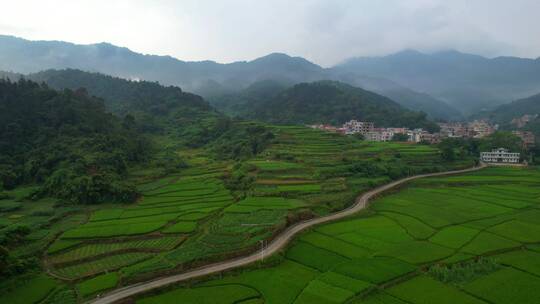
point(470, 238)
point(192, 217)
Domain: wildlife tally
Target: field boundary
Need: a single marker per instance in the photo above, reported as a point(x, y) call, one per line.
point(276, 244)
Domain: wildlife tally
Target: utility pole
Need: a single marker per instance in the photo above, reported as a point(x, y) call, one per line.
point(262, 249)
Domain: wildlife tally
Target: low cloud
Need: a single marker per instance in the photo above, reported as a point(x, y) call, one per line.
point(323, 31)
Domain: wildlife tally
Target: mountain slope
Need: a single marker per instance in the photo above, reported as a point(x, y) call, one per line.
point(66, 142)
point(465, 81)
point(155, 108)
point(505, 113)
point(408, 98)
point(209, 79)
point(335, 102)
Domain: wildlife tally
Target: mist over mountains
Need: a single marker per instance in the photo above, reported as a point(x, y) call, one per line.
point(467, 82)
point(437, 84)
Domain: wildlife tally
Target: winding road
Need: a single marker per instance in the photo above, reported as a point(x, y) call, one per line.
point(278, 243)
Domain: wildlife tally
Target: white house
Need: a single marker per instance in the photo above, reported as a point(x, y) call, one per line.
point(500, 155)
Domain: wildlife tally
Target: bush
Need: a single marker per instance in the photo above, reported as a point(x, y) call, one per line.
point(465, 272)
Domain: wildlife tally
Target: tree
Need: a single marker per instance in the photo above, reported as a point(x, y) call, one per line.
point(359, 136)
point(501, 140)
point(447, 148)
point(400, 137)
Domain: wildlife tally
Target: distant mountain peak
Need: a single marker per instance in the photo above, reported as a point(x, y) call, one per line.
point(284, 58)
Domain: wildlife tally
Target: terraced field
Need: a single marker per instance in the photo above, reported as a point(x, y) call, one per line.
point(193, 217)
point(418, 245)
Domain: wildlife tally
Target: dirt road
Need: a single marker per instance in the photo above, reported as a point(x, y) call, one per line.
point(278, 243)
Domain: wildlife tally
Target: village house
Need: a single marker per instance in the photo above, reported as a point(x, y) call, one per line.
point(354, 126)
point(380, 134)
point(500, 155)
point(526, 137)
point(481, 128)
point(522, 121)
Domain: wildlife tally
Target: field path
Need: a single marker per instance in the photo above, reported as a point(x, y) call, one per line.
point(278, 243)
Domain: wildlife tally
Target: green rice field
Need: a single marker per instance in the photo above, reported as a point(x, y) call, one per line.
point(387, 254)
point(196, 216)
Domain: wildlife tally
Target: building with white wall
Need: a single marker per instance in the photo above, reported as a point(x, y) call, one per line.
point(500, 155)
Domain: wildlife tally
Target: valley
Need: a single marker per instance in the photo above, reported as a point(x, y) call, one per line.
point(269, 152)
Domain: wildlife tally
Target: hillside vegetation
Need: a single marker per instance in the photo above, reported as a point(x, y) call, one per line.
point(505, 113)
point(470, 238)
point(335, 103)
point(66, 142)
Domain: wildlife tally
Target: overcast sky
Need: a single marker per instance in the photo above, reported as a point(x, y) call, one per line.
point(323, 31)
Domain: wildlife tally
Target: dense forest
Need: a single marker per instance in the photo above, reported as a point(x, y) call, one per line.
point(75, 149)
point(67, 142)
point(335, 103)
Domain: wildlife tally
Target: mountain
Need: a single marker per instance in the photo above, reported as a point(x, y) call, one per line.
point(157, 109)
point(335, 103)
point(505, 113)
point(207, 78)
point(240, 103)
point(408, 98)
point(122, 95)
point(464, 81)
point(67, 143)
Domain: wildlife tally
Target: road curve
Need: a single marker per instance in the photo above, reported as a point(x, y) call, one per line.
point(278, 243)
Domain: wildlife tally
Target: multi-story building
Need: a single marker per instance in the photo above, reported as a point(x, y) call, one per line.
point(526, 137)
point(434, 138)
point(481, 128)
point(522, 121)
point(500, 155)
point(381, 134)
point(455, 129)
point(476, 129)
point(354, 126)
point(415, 135)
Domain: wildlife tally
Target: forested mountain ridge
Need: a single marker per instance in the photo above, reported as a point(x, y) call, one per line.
point(207, 78)
point(157, 109)
point(335, 103)
point(505, 113)
point(122, 96)
point(66, 142)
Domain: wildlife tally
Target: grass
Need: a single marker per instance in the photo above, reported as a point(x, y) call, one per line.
point(454, 236)
point(424, 290)
point(204, 295)
point(112, 231)
point(315, 257)
point(335, 279)
point(374, 270)
point(271, 165)
point(506, 286)
point(335, 245)
point(251, 204)
point(487, 242)
point(101, 265)
point(30, 291)
point(99, 283)
point(320, 292)
point(95, 249)
point(417, 252)
point(518, 231)
point(414, 227)
point(181, 227)
point(60, 245)
point(525, 260)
